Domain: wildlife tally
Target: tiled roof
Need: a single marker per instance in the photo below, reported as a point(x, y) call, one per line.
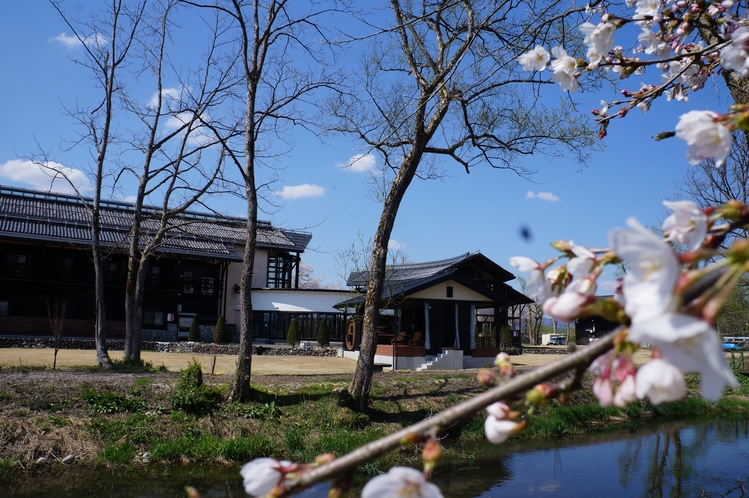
point(32, 215)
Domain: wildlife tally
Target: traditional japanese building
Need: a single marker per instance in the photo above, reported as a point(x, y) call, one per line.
point(45, 257)
point(455, 313)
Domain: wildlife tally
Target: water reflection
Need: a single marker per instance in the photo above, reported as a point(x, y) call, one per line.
point(679, 459)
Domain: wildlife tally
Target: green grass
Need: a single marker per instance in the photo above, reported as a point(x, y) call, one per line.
point(118, 453)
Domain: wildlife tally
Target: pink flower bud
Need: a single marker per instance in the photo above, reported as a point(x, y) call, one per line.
point(604, 391)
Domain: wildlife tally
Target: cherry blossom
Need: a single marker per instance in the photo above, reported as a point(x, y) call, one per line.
point(261, 475)
point(536, 286)
point(660, 382)
point(600, 37)
point(535, 60)
point(646, 8)
point(691, 344)
point(498, 430)
point(705, 137)
point(627, 393)
point(568, 305)
point(649, 284)
point(564, 67)
point(403, 482)
point(687, 225)
point(583, 263)
point(604, 391)
point(735, 56)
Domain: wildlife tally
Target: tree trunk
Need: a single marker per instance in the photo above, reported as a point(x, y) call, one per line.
point(362, 380)
point(241, 389)
point(100, 338)
point(133, 314)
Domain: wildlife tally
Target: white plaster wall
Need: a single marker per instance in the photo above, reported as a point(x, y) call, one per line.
point(439, 291)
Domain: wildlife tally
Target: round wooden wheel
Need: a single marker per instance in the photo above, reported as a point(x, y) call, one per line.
point(350, 336)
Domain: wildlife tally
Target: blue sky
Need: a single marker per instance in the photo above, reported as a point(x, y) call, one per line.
point(483, 211)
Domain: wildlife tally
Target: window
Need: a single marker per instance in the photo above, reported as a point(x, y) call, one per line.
point(154, 318)
point(206, 286)
point(4, 305)
point(279, 271)
point(449, 291)
point(16, 264)
point(189, 288)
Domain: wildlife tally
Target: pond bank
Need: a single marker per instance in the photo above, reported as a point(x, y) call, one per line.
point(139, 420)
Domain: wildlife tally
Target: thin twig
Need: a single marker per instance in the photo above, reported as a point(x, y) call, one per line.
point(449, 417)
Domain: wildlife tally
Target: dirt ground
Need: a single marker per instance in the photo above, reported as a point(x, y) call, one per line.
point(261, 365)
point(174, 362)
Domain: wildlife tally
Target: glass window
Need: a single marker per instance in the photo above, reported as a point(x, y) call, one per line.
point(206, 287)
point(279, 271)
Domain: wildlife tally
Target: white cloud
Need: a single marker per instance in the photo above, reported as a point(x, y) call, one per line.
point(167, 94)
point(42, 178)
point(394, 244)
point(360, 163)
point(67, 41)
point(546, 196)
point(199, 135)
point(300, 191)
point(71, 41)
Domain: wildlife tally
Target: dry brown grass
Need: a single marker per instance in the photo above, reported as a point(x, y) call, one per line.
point(174, 362)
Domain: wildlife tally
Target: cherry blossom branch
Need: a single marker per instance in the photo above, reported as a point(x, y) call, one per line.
point(447, 418)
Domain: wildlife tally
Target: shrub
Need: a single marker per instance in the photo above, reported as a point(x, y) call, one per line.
point(110, 402)
point(505, 337)
point(219, 331)
point(194, 333)
point(292, 336)
point(191, 395)
point(323, 336)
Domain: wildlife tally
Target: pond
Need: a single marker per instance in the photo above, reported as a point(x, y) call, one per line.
point(676, 459)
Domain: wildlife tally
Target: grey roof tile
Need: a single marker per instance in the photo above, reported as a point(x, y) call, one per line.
point(28, 214)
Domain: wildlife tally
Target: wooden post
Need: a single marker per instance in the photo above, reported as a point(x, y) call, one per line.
point(213, 365)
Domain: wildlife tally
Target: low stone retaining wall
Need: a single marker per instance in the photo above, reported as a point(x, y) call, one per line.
point(545, 350)
point(165, 347)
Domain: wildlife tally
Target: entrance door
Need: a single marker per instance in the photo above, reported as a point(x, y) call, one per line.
point(448, 325)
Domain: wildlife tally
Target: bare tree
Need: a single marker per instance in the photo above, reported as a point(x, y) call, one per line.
point(273, 37)
point(534, 314)
point(442, 83)
point(106, 44)
point(56, 314)
point(174, 157)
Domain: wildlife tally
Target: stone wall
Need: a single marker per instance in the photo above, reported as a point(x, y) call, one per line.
point(166, 347)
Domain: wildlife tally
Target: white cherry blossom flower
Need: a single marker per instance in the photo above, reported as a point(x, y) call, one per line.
point(649, 40)
point(705, 138)
point(687, 225)
point(646, 8)
point(660, 382)
point(735, 55)
point(402, 482)
point(600, 37)
point(499, 410)
point(563, 62)
point(604, 391)
point(649, 284)
point(498, 430)
point(536, 286)
point(690, 344)
point(568, 305)
point(626, 394)
point(535, 60)
point(583, 263)
point(261, 475)
point(566, 80)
